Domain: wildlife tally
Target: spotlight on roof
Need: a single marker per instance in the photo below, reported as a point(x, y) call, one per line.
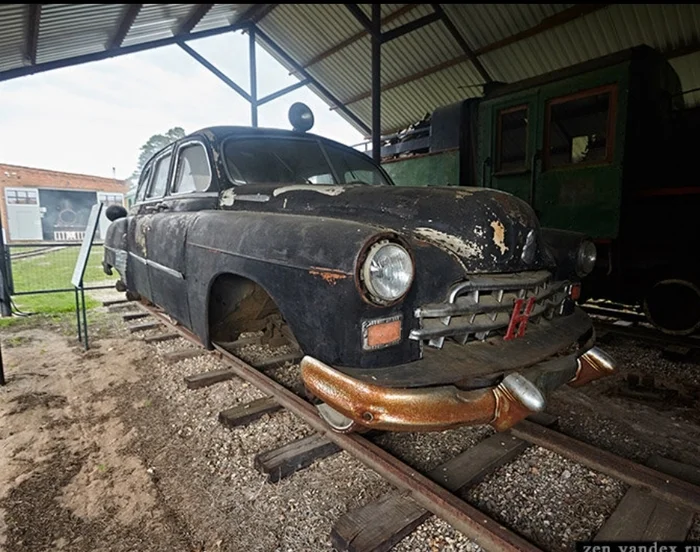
point(301, 117)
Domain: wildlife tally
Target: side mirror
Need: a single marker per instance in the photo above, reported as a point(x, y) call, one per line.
point(115, 212)
point(301, 117)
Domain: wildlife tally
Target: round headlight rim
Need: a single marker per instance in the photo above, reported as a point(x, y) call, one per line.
point(580, 258)
point(375, 244)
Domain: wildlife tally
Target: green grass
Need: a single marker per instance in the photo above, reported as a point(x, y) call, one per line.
point(53, 270)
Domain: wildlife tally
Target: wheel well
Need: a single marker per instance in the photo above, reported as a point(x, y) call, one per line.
point(236, 305)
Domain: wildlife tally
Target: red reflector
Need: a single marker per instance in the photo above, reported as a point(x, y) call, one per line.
point(575, 291)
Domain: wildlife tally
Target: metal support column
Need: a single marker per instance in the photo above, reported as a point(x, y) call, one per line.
point(253, 78)
point(376, 82)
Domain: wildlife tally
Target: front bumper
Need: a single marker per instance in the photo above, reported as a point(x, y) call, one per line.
point(351, 403)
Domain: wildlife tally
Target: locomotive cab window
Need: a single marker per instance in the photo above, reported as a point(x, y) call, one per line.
point(512, 139)
point(579, 128)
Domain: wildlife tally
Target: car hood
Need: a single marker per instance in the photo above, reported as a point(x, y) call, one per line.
point(486, 230)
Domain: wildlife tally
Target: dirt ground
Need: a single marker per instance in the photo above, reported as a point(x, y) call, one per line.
point(106, 450)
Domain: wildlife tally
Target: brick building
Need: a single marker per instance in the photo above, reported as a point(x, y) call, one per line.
point(41, 205)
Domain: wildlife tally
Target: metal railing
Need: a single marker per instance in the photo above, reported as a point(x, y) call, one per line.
point(47, 267)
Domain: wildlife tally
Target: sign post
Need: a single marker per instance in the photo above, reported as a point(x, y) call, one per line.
point(5, 306)
point(79, 272)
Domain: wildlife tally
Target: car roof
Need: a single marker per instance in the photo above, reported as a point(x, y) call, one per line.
point(216, 134)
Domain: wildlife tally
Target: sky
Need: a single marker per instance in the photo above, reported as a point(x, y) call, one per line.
point(93, 118)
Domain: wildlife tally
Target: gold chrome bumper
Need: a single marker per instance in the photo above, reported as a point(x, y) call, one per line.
point(350, 402)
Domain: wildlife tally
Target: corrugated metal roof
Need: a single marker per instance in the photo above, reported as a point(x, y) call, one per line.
point(11, 43)
point(156, 21)
point(222, 15)
point(420, 70)
point(60, 23)
point(551, 36)
point(65, 32)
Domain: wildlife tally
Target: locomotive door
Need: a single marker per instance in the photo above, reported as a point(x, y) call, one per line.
point(514, 151)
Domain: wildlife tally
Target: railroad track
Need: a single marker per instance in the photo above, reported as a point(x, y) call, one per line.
point(660, 504)
point(620, 320)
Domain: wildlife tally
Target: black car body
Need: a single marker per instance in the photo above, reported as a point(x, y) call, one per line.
point(416, 308)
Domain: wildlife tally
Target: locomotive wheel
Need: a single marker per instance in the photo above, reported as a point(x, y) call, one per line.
point(673, 306)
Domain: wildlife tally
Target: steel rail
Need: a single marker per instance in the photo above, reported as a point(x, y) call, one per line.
point(665, 487)
point(473, 523)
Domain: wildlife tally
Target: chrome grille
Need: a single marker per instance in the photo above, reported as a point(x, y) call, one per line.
point(482, 306)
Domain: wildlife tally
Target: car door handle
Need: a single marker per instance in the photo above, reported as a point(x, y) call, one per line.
point(160, 207)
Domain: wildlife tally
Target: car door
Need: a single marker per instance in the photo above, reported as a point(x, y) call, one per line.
point(191, 189)
point(137, 270)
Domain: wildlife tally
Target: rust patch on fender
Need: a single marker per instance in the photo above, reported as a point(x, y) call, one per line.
point(328, 274)
point(499, 234)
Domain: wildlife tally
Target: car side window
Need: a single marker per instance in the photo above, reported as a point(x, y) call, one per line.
point(160, 177)
point(193, 173)
point(143, 184)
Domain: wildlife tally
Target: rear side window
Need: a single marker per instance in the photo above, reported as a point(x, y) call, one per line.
point(193, 173)
point(160, 177)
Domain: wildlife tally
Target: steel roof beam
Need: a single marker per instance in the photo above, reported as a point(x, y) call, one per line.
point(282, 92)
point(196, 15)
point(106, 54)
point(261, 11)
point(452, 29)
point(357, 36)
point(362, 19)
point(561, 18)
point(206, 63)
point(32, 38)
point(410, 27)
point(556, 20)
point(130, 14)
point(322, 89)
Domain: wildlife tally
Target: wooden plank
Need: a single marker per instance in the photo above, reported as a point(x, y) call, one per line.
point(183, 354)
point(665, 487)
point(143, 327)
point(133, 315)
point(161, 337)
point(205, 379)
point(275, 362)
point(642, 517)
point(294, 456)
point(676, 352)
point(378, 526)
point(686, 472)
point(115, 302)
point(249, 412)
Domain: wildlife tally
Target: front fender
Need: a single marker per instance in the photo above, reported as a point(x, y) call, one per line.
point(307, 266)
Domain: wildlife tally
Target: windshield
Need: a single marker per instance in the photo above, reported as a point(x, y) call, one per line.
point(297, 161)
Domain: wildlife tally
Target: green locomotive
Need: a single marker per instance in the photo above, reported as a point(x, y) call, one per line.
point(605, 148)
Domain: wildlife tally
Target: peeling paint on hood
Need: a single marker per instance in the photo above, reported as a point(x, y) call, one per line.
point(326, 190)
point(455, 244)
point(499, 235)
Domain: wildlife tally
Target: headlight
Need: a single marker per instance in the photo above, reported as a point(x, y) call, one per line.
point(585, 260)
point(387, 271)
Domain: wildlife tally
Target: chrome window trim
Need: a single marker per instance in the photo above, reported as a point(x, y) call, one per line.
point(180, 147)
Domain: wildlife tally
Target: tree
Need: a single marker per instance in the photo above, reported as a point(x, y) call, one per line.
point(154, 144)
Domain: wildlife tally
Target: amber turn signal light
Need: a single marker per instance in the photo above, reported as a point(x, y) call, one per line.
point(382, 333)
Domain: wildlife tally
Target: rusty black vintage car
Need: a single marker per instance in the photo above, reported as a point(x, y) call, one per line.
point(416, 308)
